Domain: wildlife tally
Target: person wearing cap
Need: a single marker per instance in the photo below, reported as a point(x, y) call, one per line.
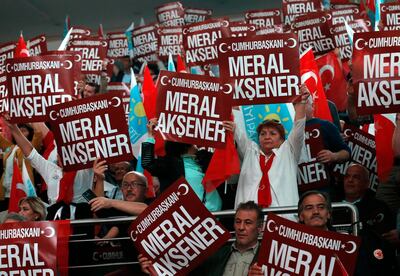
point(269, 169)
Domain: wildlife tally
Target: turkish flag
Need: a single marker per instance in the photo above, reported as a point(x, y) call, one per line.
point(17, 189)
point(310, 76)
point(149, 91)
point(333, 80)
point(384, 129)
point(181, 67)
point(21, 50)
point(224, 163)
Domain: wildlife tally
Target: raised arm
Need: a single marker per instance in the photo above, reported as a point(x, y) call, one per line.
point(99, 167)
point(132, 208)
point(20, 139)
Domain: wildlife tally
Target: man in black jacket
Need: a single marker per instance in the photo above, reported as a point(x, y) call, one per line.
point(235, 258)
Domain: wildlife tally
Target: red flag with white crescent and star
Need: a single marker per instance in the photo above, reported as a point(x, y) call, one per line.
point(333, 80)
point(310, 76)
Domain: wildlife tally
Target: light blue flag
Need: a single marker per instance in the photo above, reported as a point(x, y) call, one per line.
point(253, 115)
point(66, 26)
point(377, 13)
point(128, 34)
point(171, 64)
point(137, 117)
point(350, 32)
point(29, 188)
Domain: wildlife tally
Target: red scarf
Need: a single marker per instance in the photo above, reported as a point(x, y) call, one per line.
point(264, 190)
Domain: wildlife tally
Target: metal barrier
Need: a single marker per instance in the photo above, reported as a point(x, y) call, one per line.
point(221, 214)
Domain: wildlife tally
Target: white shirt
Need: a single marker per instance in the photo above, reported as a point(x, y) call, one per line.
point(282, 174)
point(52, 175)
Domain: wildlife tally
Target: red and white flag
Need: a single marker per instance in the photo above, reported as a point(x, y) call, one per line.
point(310, 76)
point(17, 189)
point(224, 163)
point(333, 81)
point(384, 129)
point(149, 91)
point(21, 50)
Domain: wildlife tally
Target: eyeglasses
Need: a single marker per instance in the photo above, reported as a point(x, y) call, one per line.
point(132, 185)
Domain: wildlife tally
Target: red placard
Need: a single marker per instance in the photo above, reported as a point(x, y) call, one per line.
point(90, 128)
point(6, 52)
point(36, 83)
point(169, 42)
point(37, 45)
point(293, 8)
point(240, 29)
point(80, 32)
point(346, 14)
point(171, 14)
point(341, 36)
point(277, 29)
point(363, 151)
point(76, 68)
point(199, 41)
point(145, 43)
point(93, 51)
point(31, 248)
point(176, 232)
point(194, 15)
point(290, 248)
point(263, 18)
point(124, 89)
point(390, 16)
point(376, 74)
point(117, 45)
point(191, 108)
point(311, 174)
point(313, 31)
point(262, 69)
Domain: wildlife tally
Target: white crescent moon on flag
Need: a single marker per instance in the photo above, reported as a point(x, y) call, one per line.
point(185, 187)
point(229, 88)
point(51, 233)
point(51, 115)
point(117, 103)
point(329, 68)
point(133, 236)
point(162, 80)
point(348, 132)
point(221, 49)
point(307, 75)
point(354, 247)
point(269, 224)
point(294, 42)
point(69, 66)
point(357, 42)
point(317, 133)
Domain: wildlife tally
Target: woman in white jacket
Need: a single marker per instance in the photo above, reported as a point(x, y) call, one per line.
point(269, 169)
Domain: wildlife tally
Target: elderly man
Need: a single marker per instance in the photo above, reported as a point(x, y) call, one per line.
point(374, 214)
point(231, 259)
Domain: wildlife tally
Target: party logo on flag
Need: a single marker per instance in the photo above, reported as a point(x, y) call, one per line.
point(253, 115)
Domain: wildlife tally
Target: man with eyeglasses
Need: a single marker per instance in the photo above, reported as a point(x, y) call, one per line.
point(134, 188)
